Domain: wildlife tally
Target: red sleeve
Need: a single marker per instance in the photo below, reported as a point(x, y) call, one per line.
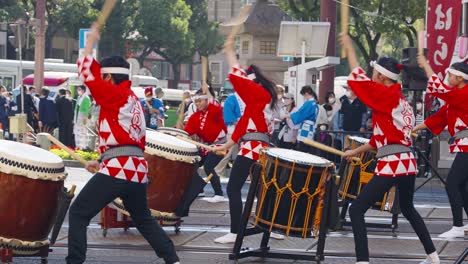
point(372, 142)
point(454, 96)
point(437, 122)
point(249, 91)
point(192, 125)
point(238, 132)
point(376, 96)
point(218, 115)
point(102, 91)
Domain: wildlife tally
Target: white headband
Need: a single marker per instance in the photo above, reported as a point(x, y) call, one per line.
point(115, 70)
point(458, 73)
point(382, 70)
point(201, 96)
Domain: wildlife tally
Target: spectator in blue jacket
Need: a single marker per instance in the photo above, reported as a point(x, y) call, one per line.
point(306, 117)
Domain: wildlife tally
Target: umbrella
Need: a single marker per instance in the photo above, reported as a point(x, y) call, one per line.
point(196, 185)
point(65, 199)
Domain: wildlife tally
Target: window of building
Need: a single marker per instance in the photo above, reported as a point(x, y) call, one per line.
point(268, 47)
point(162, 70)
point(216, 72)
point(245, 47)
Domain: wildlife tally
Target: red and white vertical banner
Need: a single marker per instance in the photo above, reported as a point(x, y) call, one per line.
point(443, 19)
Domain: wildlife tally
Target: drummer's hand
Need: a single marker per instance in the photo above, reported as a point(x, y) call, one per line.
point(216, 148)
point(349, 154)
point(93, 166)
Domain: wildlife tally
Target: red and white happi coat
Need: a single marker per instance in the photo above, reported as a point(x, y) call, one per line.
point(255, 98)
point(392, 120)
point(121, 122)
point(208, 125)
point(453, 114)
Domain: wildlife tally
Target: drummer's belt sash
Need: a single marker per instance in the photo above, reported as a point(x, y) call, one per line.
point(255, 136)
point(459, 135)
point(392, 149)
point(121, 151)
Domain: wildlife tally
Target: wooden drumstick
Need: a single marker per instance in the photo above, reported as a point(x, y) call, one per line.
point(196, 143)
point(71, 191)
point(204, 62)
point(344, 22)
point(327, 148)
point(208, 178)
point(180, 118)
point(105, 12)
point(65, 148)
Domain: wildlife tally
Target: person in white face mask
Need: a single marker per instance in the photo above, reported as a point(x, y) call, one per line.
point(287, 135)
point(332, 106)
point(419, 112)
point(83, 104)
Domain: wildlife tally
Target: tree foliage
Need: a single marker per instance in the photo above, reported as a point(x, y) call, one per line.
point(304, 10)
point(373, 24)
point(163, 27)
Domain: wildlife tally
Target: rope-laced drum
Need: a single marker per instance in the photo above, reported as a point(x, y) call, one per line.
point(31, 180)
point(173, 131)
point(292, 192)
point(171, 165)
point(354, 176)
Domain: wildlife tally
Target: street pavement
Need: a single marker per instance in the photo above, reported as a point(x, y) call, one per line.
point(207, 221)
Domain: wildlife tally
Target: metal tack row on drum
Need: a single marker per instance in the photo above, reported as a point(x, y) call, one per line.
point(31, 182)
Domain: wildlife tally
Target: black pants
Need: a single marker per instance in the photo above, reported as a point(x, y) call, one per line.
point(303, 147)
point(209, 163)
point(456, 187)
point(97, 193)
point(239, 173)
point(287, 145)
point(372, 192)
point(66, 134)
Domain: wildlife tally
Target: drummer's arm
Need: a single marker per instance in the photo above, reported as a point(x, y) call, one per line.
point(225, 146)
point(354, 152)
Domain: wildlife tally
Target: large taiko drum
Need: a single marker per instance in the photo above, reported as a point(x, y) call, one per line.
point(173, 131)
point(31, 181)
point(355, 175)
point(292, 192)
point(171, 165)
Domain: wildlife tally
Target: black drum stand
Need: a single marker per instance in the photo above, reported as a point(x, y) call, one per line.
point(264, 250)
point(393, 225)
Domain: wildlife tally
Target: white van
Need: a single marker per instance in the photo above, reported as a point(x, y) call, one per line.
point(143, 81)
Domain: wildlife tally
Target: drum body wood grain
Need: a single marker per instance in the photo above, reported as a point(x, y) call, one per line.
point(31, 182)
point(28, 207)
point(168, 180)
point(171, 166)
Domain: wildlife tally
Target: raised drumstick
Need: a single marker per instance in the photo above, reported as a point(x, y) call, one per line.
point(344, 22)
point(327, 148)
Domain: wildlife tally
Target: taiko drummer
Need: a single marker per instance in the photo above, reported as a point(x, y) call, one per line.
point(392, 121)
point(122, 171)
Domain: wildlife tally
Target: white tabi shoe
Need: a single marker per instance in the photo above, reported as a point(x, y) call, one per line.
point(456, 231)
point(362, 262)
point(216, 199)
point(276, 236)
point(432, 258)
point(226, 239)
